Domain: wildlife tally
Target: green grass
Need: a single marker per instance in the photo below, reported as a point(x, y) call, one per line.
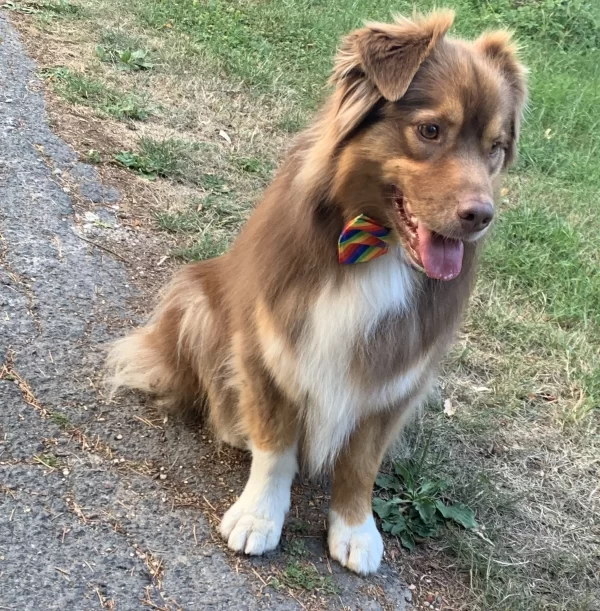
point(254, 165)
point(60, 419)
point(45, 9)
point(206, 246)
point(48, 460)
point(78, 88)
point(548, 260)
point(303, 575)
point(210, 222)
point(286, 47)
point(169, 158)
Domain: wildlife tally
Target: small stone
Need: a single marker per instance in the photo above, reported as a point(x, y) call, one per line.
point(412, 586)
point(119, 437)
point(163, 476)
point(65, 472)
point(426, 604)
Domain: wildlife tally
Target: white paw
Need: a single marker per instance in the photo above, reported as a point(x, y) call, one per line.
point(359, 548)
point(249, 530)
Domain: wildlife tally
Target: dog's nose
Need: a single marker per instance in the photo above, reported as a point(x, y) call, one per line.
point(475, 215)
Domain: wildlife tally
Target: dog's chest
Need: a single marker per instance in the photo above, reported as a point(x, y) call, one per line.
point(342, 324)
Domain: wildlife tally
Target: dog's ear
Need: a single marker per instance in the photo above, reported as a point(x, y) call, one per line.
point(499, 48)
point(389, 55)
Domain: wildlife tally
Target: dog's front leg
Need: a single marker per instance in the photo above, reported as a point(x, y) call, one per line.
point(353, 538)
point(253, 524)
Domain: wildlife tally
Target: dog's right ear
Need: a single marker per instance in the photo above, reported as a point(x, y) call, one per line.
point(389, 55)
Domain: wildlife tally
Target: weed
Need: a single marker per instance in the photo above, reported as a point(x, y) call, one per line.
point(61, 7)
point(296, 547)
point(48, 460)
point(93, 156)
point(301, 575)
point(412, 506)
point(60, 419)
point(125, 59)
point(298, 527)
point(24, 8)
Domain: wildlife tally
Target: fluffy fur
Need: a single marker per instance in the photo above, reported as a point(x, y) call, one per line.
point(307, 361)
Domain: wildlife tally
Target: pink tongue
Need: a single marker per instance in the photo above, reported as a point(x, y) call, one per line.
point(441, 257)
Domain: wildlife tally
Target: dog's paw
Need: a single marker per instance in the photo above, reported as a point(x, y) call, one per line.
point(251, 531)
point(359, 548)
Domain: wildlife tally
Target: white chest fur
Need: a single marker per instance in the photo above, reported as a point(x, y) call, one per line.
point(341, 318)
point(318, 372)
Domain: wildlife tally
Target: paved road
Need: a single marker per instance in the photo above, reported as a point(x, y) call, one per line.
point(85, 521)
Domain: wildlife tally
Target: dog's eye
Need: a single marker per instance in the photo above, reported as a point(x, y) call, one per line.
point(429, 131)
point(496, 148)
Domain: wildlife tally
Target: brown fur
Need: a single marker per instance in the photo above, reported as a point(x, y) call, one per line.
point(228, 332)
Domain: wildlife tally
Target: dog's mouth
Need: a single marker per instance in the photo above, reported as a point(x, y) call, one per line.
point(440, 257)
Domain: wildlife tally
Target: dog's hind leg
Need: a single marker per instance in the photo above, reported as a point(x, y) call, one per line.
point(170, 355)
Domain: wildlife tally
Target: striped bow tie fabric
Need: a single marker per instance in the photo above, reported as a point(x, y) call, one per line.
point(362, 240)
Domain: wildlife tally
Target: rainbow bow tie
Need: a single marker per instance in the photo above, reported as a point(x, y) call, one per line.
point(362, 240)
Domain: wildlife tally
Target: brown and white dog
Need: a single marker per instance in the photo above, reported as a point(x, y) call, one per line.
point(307, 361)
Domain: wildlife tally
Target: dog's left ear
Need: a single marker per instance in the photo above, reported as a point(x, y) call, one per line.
point(389, 54)
point(502, 52)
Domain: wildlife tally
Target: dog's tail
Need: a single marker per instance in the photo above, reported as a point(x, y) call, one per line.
point(169, 356)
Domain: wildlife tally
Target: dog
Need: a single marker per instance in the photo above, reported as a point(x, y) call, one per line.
point(314, 337)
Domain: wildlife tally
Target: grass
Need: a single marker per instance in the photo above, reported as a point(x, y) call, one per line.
point(124, 51)
point(46, 9)
point(522, 448)
point(302, 575)
point(60, 419)
point(48, 460)
point(168, 158)
point(78, 88)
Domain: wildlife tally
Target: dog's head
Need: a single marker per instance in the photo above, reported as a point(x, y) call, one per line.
point(424, 127)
